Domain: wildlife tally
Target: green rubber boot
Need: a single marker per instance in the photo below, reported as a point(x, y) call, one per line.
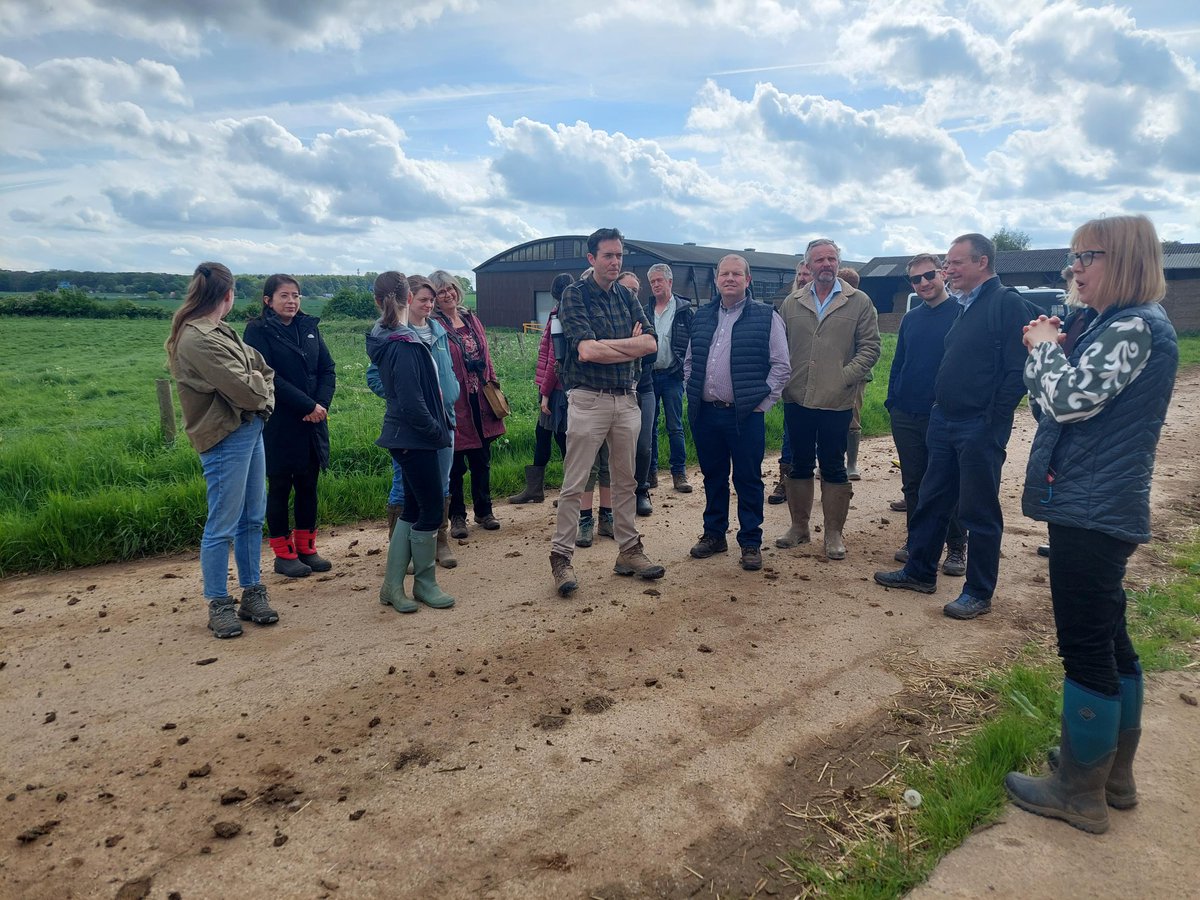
point(391, 592)
point(424, 557)
point(1074, 792)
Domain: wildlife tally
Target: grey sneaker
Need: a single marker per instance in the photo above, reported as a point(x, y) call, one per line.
point(564, 574)
point(606, 524)
point(901, 555)
point(587, 532)
point(222, 620)
point(254, 607)
point(967, 607)
point(635, 562)
point(955, 563)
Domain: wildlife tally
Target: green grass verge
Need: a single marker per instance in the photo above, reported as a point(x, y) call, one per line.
point(964, 789)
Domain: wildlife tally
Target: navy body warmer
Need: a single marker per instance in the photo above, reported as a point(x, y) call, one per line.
point(1102, 466)
point(749, 357)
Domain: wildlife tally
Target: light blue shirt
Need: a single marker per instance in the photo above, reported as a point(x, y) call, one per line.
point(966, 300)
point(821, 307)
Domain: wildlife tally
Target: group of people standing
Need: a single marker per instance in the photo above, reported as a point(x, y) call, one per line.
point(256, 407)
point(1100, 385)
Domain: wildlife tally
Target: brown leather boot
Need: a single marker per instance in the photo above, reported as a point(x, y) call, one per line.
point(394, 512)
point(445, 553)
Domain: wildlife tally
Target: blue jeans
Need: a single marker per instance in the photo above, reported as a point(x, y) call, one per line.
point(908, 433)
point(445, 460)
point(668, 393)
point(645, 442)
point(785, 451)
point(818, 436)
point(963, 473)
point(721, 442)
point(235, 471)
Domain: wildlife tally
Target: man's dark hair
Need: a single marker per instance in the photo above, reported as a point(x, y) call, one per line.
point(981, 246)
point(602, 234)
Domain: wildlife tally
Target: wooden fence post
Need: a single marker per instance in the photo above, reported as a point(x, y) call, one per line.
point(166, 409)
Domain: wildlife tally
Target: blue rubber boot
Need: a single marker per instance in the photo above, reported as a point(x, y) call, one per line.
point(1074, 792)
point(1121, 789)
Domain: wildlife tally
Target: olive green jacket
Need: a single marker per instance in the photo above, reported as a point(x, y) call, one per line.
point(222, 382)
point(831, 356)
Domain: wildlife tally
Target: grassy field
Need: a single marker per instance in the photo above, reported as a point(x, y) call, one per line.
point(85, 476)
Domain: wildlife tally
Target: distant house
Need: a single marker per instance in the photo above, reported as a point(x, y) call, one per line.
point(885, 279)
point(513, 287)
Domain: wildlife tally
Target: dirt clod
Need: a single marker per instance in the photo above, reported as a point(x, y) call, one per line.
point(598, 704)
point(1188, 699)
point(113, 839)
point(414, 754)
point(29, 835)
point(233, 795)
point(227, 830)
point(207, 661)
point(135, 890)
point(203, 772)
point(357, 814)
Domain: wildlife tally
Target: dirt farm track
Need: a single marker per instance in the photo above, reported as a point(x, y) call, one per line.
point(639, 740)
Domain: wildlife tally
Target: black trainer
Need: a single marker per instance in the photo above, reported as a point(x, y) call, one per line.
point(901, 580)
point(708, 544)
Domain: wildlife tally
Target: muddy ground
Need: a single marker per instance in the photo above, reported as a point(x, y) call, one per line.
point(666, 738)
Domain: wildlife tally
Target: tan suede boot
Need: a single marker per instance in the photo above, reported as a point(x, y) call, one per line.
point(835, 503)
point(800, 500)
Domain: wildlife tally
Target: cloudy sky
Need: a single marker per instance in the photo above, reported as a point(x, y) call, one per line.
point(343, 135)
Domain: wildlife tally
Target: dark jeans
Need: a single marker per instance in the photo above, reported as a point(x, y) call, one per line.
point(965, 459)
point(909, 432)
point(422, 488)
point(279, 491)
point(721, 442)
point(645, 441)
point(668, 395)
point(785, 450)
point(818, 436)
point(1087, 569)
point(479, 461)
point(541, 445)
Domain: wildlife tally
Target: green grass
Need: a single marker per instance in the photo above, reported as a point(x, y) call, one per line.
point(963, 789)
point(86, 478)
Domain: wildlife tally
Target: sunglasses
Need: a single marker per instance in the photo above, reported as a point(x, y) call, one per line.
point(924, 276)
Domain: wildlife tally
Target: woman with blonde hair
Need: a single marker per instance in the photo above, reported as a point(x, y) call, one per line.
point(226, 392)
point(476, 426)
point(1102, 409)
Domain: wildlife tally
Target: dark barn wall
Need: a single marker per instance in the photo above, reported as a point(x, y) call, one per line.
point(1183, 301)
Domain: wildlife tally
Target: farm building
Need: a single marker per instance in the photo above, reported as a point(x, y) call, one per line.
point(513, 287)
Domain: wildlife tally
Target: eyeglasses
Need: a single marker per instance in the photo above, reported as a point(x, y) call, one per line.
point(448, 292)
point(927, 276)
point(1085, 258)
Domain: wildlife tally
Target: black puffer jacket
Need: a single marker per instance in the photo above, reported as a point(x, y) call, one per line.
point(304, 376)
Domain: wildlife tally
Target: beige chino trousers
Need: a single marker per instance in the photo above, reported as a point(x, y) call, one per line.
point(593, 418)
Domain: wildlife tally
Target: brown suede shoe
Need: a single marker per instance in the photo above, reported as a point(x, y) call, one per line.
point(635, 562)
point(564, 574)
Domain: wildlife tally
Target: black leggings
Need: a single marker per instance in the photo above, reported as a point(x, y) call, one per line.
point(279, 491)
point(479, 461)
point(541, 445)
point(1087, 571)
point(422, 488)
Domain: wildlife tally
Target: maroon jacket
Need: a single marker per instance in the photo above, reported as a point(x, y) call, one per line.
point(546, 376)
point(466, 436)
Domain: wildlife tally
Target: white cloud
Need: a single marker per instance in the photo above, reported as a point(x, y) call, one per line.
point(188, 27)
point(89, 100)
